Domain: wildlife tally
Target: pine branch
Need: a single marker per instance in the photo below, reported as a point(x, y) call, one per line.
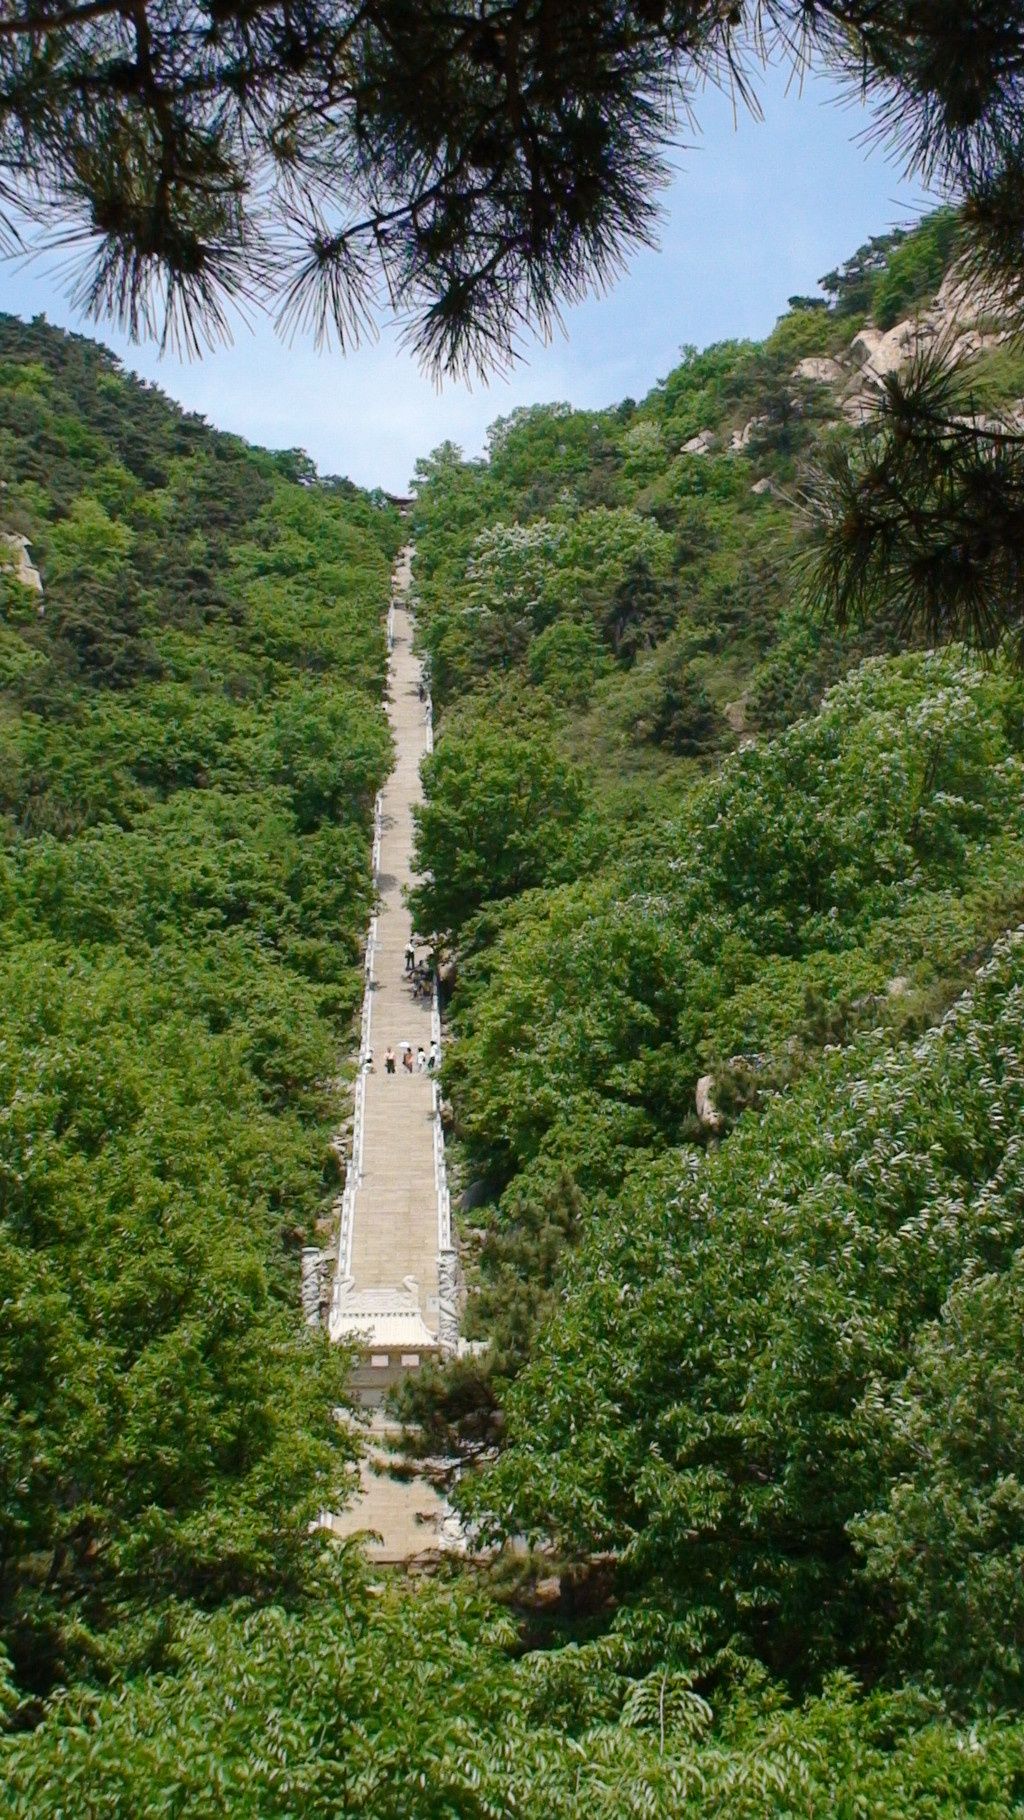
point(920, 524)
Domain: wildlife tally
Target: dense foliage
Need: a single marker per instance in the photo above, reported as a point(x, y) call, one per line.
point(596, 570)
point(404, 1704)
point(892, 273)
point(498, 818)
point(739, 1124)
point(824, 882)
point(190, 743)
point(732, 910)
point(780, 1385)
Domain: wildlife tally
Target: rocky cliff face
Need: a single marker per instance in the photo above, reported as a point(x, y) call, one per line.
point(961, 321)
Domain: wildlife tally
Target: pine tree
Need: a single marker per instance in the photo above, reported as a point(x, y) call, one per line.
point(469, 163)
point(473, 165)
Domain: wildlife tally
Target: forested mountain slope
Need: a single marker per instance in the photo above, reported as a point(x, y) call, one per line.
point(191, 738)
point(632, 572)
point(614, 606)
point(688, 916)
point(732, 911)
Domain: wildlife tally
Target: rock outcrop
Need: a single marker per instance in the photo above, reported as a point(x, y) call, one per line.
point(736, 714)
point(707, 1111)
point(741, 439)
point(701, 444)
point(14, 557)
point(821, 369)
point(962, 321)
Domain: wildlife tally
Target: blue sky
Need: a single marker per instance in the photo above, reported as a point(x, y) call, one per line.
point(756, 212)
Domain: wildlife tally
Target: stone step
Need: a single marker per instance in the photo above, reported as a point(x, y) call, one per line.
point(395, 1214)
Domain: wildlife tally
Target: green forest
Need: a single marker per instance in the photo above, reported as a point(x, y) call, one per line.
point(731, 906)
point(192, 739)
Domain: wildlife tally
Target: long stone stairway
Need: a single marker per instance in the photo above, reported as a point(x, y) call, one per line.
point(393, 1297)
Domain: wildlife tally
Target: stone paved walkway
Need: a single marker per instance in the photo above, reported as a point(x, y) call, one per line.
point(390, 1296)
point(402, 1519)
point(395, 1229)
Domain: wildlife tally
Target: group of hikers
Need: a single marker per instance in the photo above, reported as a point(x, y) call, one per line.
point(414, 1058)
point(423, 1062)
point(414, 1061)
point(420, 1061)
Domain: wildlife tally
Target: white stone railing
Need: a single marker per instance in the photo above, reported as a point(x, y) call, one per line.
point(435, 1016)
point(444, 1201)
point(345, 1205)
point(378, 829)
point(447, 1257)
point(346, 1227)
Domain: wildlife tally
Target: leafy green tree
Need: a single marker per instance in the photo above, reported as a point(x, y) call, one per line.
point(850, 288)
point(915, 267)
point(500, 815)
point(670, 706)
point(639, 613)
point(327, 753)
point(566, 660)
point(709, 1400)
point(945, 1551)
point(414, 1704)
